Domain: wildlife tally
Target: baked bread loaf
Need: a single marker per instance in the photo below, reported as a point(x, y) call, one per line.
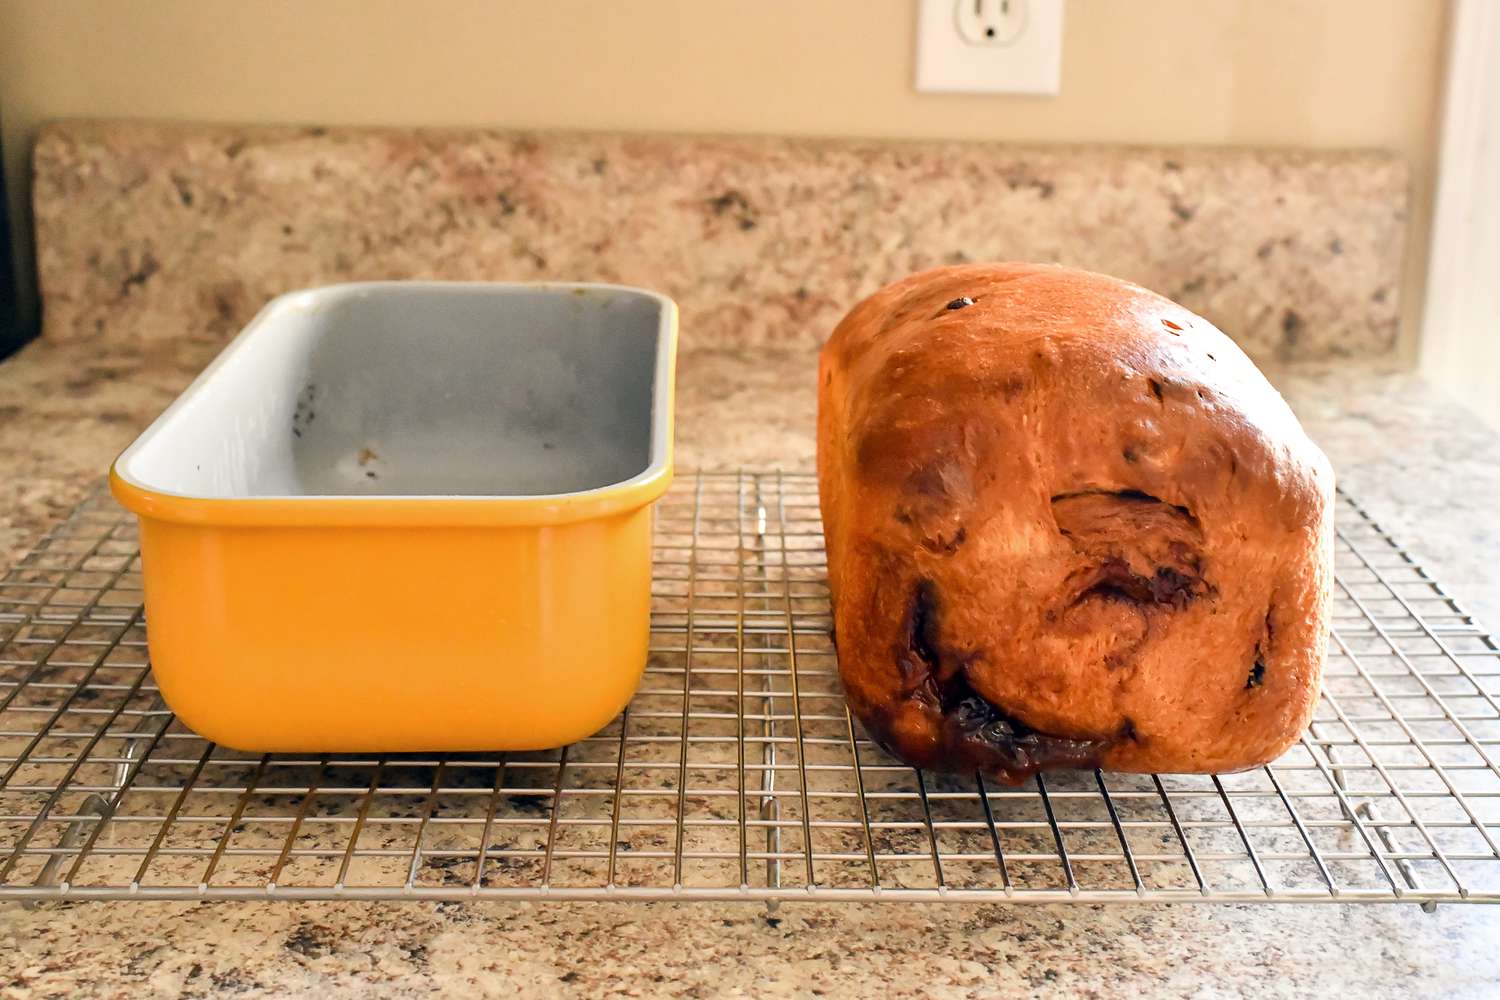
point(1069, 524)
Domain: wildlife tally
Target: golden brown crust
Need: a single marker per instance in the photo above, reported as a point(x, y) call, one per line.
point(1069, 523)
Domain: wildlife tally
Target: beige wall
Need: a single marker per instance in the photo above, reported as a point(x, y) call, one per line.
point(1324, 73)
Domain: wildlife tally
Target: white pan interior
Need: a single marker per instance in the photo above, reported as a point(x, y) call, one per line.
point(426, 389)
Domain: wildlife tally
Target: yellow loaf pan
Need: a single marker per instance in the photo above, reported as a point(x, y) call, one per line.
point(405, 516)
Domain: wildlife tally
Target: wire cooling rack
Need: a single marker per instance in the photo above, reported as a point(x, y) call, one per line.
point(736, 772)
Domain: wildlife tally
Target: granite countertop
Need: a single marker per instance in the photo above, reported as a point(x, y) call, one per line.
point(1421, 467)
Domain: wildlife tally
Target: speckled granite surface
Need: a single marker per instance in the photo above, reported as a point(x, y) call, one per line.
point(739, 951)
point(153, 232)
point(1420, 466)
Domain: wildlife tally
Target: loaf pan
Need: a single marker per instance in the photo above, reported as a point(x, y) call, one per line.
point(408, 517)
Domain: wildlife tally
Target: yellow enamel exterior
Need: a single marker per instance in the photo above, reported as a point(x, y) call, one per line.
point(392, 637)
point(395, 637)
point(393, 624)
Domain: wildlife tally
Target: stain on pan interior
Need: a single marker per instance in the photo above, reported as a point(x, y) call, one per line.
point(304, 414)
point(366, 458)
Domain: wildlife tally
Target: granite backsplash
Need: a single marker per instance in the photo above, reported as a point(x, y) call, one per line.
point(151, 232)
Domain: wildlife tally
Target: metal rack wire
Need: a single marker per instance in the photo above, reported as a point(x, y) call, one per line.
point(736, 772)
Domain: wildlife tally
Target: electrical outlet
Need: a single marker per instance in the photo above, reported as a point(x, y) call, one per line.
point(989, 46)
point(990, 22)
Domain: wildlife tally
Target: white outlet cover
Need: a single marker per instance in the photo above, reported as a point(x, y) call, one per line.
point(1024, 60)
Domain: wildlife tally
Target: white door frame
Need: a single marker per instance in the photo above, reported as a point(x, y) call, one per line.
point(1460, 342)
